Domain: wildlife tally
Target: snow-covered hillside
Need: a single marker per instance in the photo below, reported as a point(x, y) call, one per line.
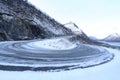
point(74, 28)
point(113, 37)
point(81, 36)
point(20, 20)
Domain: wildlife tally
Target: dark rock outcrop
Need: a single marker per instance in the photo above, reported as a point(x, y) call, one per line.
point(20, 20)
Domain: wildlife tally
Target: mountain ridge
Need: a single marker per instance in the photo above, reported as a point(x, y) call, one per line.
point(115, 37)
point(20, 20)
point(81, 36)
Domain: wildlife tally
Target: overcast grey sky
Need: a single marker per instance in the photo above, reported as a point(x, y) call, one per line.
point(97, 18)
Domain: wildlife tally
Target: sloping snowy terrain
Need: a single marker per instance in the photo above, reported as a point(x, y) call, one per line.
point(113, 38)
point(20, 20)
point(82, 37)
point(74, 28)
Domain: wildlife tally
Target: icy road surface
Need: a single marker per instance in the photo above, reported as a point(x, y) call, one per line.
point(50, 55)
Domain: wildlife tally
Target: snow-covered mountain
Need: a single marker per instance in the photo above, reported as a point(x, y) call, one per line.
point(76, 30)
point(20, 20)
point(113, 37)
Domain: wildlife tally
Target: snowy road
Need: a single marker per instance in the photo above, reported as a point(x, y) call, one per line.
point(108, 71)
point(36, 56)
point(29, 56)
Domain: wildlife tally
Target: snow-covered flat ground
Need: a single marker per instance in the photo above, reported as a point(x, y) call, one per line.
point(50, 54)
point(114, 43)
point(107, 71)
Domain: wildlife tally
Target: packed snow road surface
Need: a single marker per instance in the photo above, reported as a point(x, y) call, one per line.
point(47, 55)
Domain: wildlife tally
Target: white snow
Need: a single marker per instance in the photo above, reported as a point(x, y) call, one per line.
point(114, 43)
point(53, 44)
point(113, 37)
point(107, 71)
point(49, 26)
point(73, 28)
point(85, 63)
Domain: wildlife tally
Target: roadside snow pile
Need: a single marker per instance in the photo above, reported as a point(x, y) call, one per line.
point(53, 44)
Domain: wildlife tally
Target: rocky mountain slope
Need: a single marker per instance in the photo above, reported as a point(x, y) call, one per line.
point(113, 38)
point(81, 36)
point(74, 28)
point(20, 20)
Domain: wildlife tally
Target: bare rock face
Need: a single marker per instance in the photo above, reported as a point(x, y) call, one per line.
point(19, 20)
